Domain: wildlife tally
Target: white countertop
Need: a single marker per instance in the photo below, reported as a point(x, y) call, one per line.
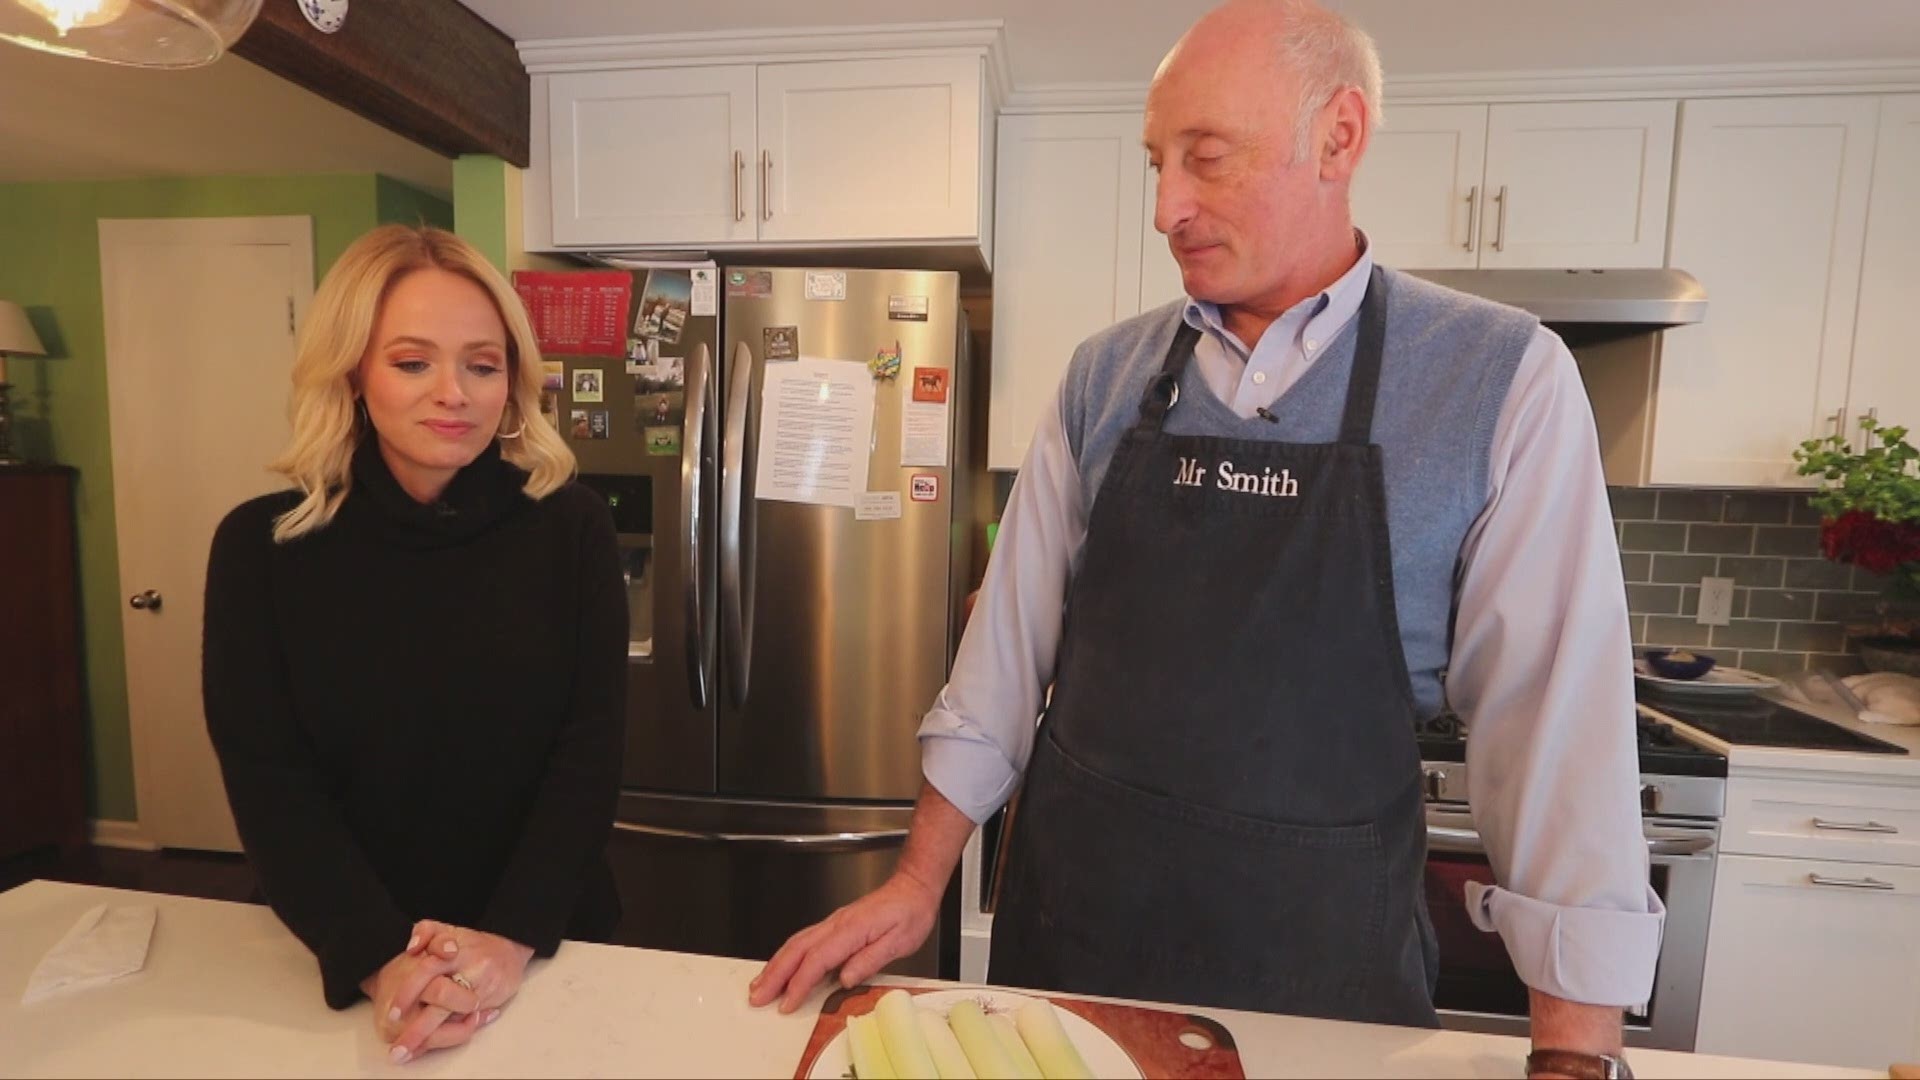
point(1773, 760)
point(227, 991)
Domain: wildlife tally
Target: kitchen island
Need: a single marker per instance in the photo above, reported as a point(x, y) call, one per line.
point(227, 991)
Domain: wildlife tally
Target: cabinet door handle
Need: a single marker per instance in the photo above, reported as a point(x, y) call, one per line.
point(1473, 217)
point(1839, 422)
point(1850, 883)
point(766, 185)
point(739, 186)
point(1855, 826)
point(1500, 225)
point(1865, 439)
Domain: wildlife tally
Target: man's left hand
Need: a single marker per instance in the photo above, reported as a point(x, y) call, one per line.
point(1559, 1024)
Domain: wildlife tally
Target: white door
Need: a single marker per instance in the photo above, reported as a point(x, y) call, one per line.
point(1577, 184)
point(1813, 961)
point(199, 320)
point(653, 156)
point(1769, 212)
point(1886, 369)
point(1159, 271)
point(871, 150)
point(1067, 238)
point(1417, 195)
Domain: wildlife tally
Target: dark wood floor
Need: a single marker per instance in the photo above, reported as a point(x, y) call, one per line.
point(210, 875)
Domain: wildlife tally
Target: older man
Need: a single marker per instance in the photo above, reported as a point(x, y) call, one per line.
point(1263, 533)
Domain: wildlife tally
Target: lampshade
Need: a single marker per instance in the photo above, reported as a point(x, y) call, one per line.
point(16, 333)
point(138, 33)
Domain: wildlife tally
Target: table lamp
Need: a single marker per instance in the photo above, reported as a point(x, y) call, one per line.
point(16, 339)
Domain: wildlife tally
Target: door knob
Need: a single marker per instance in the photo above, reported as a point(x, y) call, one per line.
point(146, 601)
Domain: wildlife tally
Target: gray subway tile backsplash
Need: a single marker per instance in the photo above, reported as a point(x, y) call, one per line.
point(1789, 603)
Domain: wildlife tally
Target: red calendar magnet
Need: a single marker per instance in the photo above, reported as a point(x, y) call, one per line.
point(577, 312)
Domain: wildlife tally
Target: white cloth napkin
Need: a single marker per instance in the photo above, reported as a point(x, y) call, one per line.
point(1890, 697)
point(106, 944)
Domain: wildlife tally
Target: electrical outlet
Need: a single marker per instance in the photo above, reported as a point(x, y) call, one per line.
point(1716, 601)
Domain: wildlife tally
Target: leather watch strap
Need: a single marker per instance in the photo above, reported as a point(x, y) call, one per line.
point(1578, 1065)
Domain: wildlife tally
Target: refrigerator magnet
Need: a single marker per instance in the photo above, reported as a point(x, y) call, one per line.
point(662, 441)
point(577, 427)
point(587, 387)
point(705, 302)
point(550, 408)
point(599, 424)
point(782, 342)
point(553, 375)
point(826, 285)
point(930, 385)
point(750, 284)
point(877, 506)
point(924, 487)
point(886, 362)
point(907, 308)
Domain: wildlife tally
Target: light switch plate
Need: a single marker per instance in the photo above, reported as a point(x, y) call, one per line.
point(1716, 601)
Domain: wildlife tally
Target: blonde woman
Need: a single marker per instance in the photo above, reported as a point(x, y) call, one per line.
point(415, 660)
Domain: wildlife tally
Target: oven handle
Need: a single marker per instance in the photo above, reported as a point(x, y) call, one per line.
point(1468, 842)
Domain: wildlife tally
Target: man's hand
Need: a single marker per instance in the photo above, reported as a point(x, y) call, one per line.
point(859, 939)
point(1559, 1024)
point(880, 927)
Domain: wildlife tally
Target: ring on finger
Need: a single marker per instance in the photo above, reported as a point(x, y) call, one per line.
point(461, 981)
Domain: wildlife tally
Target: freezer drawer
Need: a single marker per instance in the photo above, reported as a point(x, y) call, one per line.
point(737, 878)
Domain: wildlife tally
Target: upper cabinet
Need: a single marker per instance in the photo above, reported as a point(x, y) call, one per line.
point(1885, 376)
point(1570, 184)
point(871, 149)
point(1770, 213)
point(889, 143)
point(653, 153)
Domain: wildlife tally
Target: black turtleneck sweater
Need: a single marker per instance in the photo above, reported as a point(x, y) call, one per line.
point(419, 712)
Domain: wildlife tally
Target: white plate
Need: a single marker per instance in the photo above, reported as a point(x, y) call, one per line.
point(1721, 682)
point(1103, 1056)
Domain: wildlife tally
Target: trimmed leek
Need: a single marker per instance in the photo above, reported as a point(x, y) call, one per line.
point(1023, 1063)
point(1040, 1028)
point(869, 1053)
point(900, 1031)
point(984, 1052)
point(948, 1059)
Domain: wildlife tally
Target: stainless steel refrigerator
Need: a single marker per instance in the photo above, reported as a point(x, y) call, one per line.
point(783, 652)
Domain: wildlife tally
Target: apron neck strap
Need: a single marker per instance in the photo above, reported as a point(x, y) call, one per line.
point(1363, 385)
point(1164, 389)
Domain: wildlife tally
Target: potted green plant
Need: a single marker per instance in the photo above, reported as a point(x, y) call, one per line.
point(1869, 504)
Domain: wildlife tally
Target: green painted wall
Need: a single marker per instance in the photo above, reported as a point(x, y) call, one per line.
point(408, 205)
point(480, 205)
point(50, 263)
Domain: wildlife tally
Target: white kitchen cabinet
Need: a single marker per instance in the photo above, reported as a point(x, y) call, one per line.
point(1417, 194)
point(642, 155)
point(1769, 212)
point(1885, 378)
point(1567, 184)
point(814, 153)
point(1813, 961)
point(873, 149)
point(1580, 184)
point(1068, 241)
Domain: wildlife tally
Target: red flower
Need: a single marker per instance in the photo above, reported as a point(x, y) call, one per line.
point(1861, 539)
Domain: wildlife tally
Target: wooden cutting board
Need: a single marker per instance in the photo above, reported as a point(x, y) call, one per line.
point(1152, 1037)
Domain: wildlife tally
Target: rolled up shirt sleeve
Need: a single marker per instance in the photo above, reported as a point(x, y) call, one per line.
point(1541, 673)
point(975, 742)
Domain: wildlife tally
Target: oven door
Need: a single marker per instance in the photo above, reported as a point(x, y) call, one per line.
point(1478, 989)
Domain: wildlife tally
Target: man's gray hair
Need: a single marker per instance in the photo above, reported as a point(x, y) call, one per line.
point(1327, 53)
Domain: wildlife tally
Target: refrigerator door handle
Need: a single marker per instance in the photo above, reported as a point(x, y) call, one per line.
point(874, 838)
point(736, 524)
point(693, 451)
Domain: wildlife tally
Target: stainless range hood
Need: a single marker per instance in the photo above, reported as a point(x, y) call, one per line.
point(1653, 298)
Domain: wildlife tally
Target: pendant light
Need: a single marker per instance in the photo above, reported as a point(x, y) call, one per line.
point(137, 33)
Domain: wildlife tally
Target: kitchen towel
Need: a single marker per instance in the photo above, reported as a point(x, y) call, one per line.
point(107, 943)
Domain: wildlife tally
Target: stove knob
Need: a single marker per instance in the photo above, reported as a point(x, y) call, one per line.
point(1436, 783)
point(1649, 799)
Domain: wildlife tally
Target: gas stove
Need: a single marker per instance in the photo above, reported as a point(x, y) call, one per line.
point(1678, 778)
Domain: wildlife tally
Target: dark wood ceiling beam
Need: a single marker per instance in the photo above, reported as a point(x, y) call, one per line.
point(430, 70)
